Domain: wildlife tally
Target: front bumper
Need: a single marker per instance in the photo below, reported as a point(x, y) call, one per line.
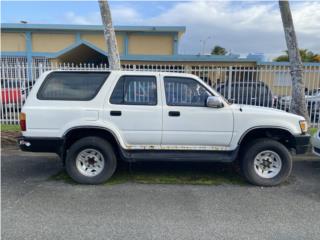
point(315, 142)
point(316, 151)
point(302, 143)
point(32, 144)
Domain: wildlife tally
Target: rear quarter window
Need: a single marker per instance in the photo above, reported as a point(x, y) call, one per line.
point(72, 86)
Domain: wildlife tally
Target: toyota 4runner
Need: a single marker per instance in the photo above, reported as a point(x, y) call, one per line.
point(92, 119)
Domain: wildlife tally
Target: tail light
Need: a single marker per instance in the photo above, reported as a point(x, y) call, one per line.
point(23, 124)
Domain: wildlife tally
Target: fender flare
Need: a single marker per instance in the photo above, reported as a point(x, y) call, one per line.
point(262, 127)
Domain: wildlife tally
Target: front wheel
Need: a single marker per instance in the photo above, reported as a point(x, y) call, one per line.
point(266, 162)
point(91, 160)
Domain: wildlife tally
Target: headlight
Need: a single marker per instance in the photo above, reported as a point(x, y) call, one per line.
point(303, 126)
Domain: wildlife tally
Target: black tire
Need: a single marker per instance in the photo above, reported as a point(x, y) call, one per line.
point(98, 144)
point(253, 149)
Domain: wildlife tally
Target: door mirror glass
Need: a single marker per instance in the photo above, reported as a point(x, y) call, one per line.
point(214, 102)
point(231, 100)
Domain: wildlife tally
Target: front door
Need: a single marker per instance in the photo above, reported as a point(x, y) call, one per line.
point(187, 122)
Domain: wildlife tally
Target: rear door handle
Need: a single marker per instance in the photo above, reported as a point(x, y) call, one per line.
point(174, 114)
point(115, 113)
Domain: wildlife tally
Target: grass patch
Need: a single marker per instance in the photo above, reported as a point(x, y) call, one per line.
point(61, 176)
point(313, 130)
point(10, 128)
point(169, 173)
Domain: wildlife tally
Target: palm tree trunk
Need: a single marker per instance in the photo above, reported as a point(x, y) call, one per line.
point(298, 102)
point(110, 36)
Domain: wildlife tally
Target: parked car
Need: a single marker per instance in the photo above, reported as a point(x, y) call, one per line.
point(94, 119)
point(311, 96)
point(314, 106)
point(12, 98)
point(315, 141)
point(252, 93)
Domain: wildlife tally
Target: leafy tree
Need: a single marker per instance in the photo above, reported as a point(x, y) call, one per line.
point(218, 50)
point(305, 54)
point(316, 58)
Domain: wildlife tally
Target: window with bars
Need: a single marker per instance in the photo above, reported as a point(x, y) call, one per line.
point(40, 65)
point(40, 61)
point(13, 70)
point(13, 60)
point(154, 67)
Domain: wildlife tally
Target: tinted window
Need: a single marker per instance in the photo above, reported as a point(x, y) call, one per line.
point(79, 86)
point(185, 92)
point(118, 92)
point(135, 90)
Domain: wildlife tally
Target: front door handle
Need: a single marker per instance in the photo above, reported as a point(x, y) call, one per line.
point(174, 114)
point(115, 113)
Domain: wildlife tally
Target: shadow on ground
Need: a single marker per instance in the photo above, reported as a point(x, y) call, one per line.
point(170, 173)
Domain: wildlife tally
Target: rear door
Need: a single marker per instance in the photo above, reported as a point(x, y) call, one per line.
point(135, 108)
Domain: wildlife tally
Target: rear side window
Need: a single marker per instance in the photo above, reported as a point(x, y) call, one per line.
point(72, 86)
point(135, 90)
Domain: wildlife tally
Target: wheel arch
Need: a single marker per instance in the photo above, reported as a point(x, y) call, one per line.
point(76, 133)
point(280, 134)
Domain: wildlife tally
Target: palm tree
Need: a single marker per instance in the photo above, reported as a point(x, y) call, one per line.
point(109, 35)
point(298, 102)
point(305, 54)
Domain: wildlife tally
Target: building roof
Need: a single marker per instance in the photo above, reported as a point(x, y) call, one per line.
point(188, 58)
point(68, 27)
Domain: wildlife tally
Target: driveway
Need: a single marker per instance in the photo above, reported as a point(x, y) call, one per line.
point(35, 207)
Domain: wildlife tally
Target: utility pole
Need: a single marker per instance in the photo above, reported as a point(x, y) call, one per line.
point(109, 35)
point(298, 102)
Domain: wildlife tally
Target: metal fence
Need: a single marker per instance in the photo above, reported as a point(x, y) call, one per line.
point(263, 85)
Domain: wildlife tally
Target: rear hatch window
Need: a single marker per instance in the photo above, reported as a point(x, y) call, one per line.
point(72, 86)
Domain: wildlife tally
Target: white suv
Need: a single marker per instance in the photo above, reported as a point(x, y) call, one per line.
point(92, 119)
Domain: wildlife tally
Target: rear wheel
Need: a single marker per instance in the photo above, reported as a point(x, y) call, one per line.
point(91, 160)
point(266, 162)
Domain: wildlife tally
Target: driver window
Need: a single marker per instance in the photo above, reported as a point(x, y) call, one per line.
point(185, 92)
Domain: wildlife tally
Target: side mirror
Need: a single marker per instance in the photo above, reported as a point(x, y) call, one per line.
point(231, 100)
point(214, 102)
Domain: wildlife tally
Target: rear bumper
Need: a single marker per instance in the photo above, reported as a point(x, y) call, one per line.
point(31, 144)
point(302, 143)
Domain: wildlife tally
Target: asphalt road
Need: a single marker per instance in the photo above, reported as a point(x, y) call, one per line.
point(34, 207)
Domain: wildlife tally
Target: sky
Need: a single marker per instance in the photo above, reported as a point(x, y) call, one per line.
point(241, 27)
